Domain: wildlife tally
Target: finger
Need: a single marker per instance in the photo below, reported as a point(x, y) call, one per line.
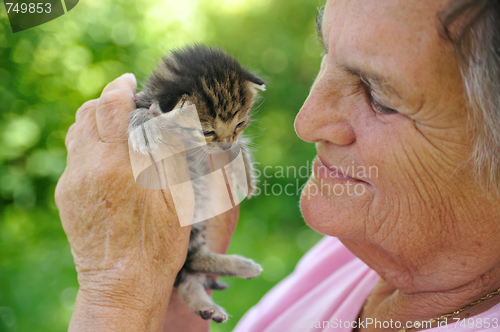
point(115, 104)
point(179, 192)
point(220, 229)
point(60, 193)
point(89, 106)
point(85, 132)
point(127, 81)
point(139, 95)
point(70, 136)
point(227, 219)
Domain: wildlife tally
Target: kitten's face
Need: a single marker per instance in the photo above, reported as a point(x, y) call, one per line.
point(225, 130)
point(222, 91)
point(224, 124)
point(218, 125)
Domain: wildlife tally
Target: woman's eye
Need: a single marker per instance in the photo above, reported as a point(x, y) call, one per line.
point(209, 133)
point(377, 107)
point(239, 125)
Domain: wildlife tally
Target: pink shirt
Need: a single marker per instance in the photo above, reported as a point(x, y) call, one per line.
point(326, 292)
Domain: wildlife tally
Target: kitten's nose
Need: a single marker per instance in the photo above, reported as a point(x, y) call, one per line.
point(225, 146)
point(225, 143)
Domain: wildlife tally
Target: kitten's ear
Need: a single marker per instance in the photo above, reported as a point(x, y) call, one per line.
point(169, 96)
point(261, 87)
point(256, 82)
point(168, 102)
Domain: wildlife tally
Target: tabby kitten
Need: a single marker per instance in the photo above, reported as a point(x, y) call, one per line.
point(223, 93)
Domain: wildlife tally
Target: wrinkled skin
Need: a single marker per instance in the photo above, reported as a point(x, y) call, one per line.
point(126, 241)
point(422, 222)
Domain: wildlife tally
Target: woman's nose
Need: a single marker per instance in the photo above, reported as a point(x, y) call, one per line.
point(326, 114)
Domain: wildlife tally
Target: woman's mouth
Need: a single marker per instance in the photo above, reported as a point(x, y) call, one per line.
point(335, 174)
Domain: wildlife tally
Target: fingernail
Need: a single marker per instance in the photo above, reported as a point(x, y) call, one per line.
point(130, 75)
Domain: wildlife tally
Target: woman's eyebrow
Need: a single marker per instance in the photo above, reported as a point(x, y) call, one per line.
point(372, 80)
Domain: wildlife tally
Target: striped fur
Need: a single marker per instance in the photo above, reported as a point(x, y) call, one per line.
point(223, 93)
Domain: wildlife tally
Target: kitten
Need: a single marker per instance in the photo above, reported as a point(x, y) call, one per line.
point(223, 93)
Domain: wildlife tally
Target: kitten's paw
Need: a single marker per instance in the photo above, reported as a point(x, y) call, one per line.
point(219, 316)
point(206, 314)
point(214, 312)
point(215, 284)
point(145, 137)
point(246, 268)
point(193, 292)
point(251, 188)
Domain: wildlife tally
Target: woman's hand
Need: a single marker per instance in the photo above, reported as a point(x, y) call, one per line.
point(126, 241)
point(179, 316)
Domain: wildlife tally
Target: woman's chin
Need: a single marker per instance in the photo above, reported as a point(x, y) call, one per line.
point(340, 215)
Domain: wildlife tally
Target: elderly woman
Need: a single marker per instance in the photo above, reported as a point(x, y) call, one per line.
point(411, 88)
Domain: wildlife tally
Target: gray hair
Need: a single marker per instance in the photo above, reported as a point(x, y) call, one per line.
point(473, 28)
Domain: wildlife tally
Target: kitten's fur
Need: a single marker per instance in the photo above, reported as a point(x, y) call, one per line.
point(223, 93)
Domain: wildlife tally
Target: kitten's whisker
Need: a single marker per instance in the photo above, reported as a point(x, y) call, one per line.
point(251, 137)
point(257, 106)
point(244, 145)
point(251, 144)
point(200, 157)
point(235, 146)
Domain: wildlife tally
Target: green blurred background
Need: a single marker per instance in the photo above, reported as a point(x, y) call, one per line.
point(47, 72)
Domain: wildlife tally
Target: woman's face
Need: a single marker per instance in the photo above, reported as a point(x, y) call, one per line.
point(387, 110)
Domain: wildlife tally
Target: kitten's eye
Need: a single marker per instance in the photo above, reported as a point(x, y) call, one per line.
point(377, 107)
point(239, 125)
point(209, 133)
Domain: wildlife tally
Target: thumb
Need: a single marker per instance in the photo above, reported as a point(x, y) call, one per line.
point(114, 107)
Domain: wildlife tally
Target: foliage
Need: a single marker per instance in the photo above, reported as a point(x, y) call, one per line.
point(47, 72)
